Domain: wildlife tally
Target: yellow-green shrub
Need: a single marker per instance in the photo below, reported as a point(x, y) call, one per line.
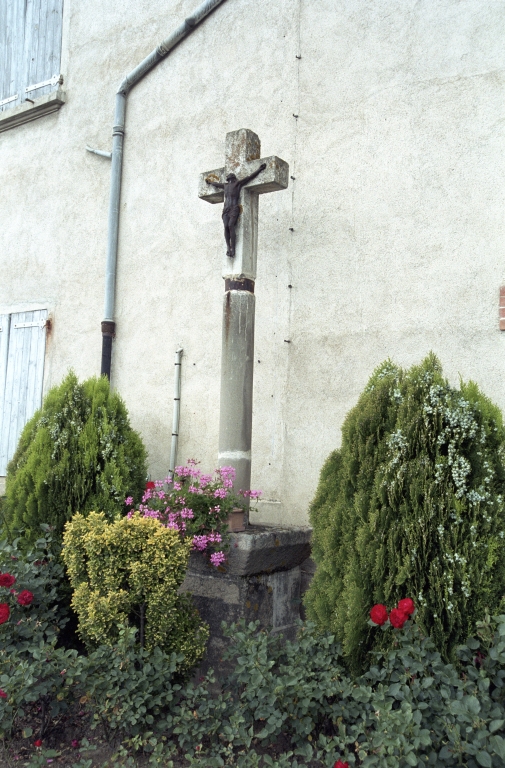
point(129, 572)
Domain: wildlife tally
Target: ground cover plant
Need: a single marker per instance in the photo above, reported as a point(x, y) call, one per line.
point(413, 502)
point(284, 704)
point(76, 454)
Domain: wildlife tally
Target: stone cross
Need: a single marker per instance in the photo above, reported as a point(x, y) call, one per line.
point(237, 361)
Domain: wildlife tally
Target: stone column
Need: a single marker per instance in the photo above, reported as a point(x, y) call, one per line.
point(243, 151)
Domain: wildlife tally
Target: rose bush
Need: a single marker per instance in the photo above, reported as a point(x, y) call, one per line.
point(30, 607)
point(379, 614)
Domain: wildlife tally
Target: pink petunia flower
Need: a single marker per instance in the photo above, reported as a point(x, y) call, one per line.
point(217, 558)
point(200, 542)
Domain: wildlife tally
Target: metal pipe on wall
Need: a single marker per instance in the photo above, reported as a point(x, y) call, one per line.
point(118, 132)
point(177, 412)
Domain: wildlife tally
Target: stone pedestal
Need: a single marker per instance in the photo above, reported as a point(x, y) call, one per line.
point(262, 579)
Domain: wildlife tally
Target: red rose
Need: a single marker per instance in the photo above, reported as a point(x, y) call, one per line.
point(340, 764)
point(398, 618)
point(7, 580)
point(5, 612)
point(3, 695)
point(150, 485)
point(407, 606)
point(37, 743)
point(25, 597)
point(379, 614)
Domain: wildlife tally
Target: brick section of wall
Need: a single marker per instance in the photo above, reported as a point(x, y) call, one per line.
point(502, 308)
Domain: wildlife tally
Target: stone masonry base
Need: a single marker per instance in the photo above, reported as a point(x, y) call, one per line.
point(267, 570)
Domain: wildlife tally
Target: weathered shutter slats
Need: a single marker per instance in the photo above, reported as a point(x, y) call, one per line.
point(45, 34)
point(4, 348)
point(12, 34)
point(30, 48)
point(5, 85)
point(8, 406)
point(24, 379)
point(22, 340)
point(31, 44)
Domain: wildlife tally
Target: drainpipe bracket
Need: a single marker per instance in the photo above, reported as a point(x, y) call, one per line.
point(109, 328)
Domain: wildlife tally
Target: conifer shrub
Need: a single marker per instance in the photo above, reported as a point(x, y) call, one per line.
point(413, 502)
point(128, 572)
point(77, 453)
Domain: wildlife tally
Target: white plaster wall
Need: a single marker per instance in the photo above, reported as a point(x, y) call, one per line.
point(397, 211)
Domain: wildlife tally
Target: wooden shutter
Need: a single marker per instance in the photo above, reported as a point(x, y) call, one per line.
point(30, 49)
point(12, 36)
point(23, 378)
point(4, 347)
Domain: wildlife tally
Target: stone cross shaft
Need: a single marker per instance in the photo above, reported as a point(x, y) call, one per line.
point(237, 362)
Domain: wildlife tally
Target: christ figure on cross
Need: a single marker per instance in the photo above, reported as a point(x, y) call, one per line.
point(231, 209)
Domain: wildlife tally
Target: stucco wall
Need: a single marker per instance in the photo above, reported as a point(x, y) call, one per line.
point(397, 211)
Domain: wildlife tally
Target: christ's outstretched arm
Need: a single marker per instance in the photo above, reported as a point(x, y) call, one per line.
point(247, 179)
point(215, 184)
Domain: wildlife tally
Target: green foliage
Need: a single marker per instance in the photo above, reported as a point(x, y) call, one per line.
point(130, 571)
point(127, 687)
point(30, 663)
point(411, 505)
point(285, 705)
point(43, 756)
point(39, 572)
point(77, 453)
point(45, 675)
point(296, 700)
point(410, 709)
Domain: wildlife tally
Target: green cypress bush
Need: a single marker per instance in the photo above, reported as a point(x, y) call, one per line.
point(78, 453)
point(411, 505)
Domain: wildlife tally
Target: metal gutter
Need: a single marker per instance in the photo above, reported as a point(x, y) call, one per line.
point(118, 131)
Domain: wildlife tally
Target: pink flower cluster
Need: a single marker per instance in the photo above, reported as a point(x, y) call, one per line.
point(250, 494)
point(184, 501)
point(217, 558)
point(200, 542)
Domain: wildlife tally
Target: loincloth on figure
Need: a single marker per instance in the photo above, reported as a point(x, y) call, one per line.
point(230, 215)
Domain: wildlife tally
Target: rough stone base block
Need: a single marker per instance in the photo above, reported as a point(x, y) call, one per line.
point(262, 580)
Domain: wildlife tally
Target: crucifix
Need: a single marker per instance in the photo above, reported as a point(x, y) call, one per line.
point(244, 177)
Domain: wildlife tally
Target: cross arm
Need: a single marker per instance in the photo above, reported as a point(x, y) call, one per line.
point(274, 177)
point(207, 191)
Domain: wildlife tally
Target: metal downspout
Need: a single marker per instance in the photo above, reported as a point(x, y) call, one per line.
point(118, 131)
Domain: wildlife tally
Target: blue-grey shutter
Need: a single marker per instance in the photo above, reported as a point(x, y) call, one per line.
point(23, 379)
point(12, 35)
point(4, 348)
point(42, 46)
point(30, 49)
